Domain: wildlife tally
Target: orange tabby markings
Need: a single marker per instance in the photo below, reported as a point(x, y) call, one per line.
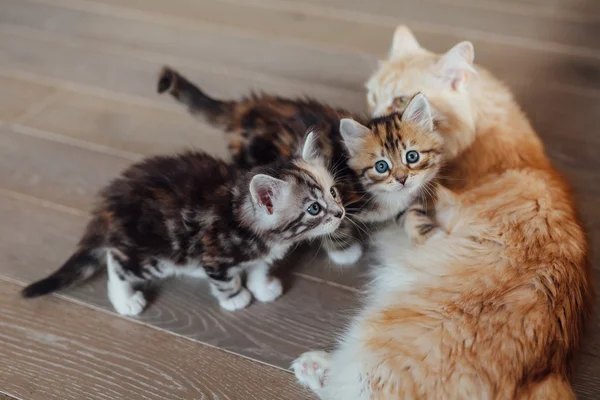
point(494, 308)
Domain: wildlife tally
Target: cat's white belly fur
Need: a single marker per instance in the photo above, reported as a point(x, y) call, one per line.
point(346, 378)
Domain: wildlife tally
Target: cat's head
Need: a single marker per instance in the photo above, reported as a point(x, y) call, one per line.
point(409, 69)
point(395, 154)
point(295, 198)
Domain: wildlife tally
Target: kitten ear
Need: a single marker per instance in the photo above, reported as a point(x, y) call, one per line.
point(404, 42)
point(353, 134)
point(310, 147)
point(266, 190)
point(456, 65)
point(418, 112)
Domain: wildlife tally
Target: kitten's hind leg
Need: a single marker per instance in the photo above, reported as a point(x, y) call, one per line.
point(228, 290)
point(124, 298)
point(263, 286)
point(418, 225)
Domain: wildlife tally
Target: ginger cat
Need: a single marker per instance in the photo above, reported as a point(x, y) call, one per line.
point(488, 299)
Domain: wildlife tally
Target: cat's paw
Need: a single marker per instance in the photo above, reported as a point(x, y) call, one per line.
point(347, 256)
point(240, 300)
point(267, 289)
point(311, 369)
point(417, 224)
point(130, 305)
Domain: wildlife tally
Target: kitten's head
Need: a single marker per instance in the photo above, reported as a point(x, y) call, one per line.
point(409, 69)
point(295, 198)
point(395, 154)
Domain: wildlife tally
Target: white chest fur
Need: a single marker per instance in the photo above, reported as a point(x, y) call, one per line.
point(388, 206)
point(277, 253)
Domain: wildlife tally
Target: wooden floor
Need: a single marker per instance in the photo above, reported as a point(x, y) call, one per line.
point(78, 104)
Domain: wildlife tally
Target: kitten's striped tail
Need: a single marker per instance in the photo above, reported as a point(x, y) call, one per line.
point(83, 263)
point(215, 111)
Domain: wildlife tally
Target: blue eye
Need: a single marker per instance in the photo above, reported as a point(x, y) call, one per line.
point(314, 208)
point(412, 157)
point(381, 166)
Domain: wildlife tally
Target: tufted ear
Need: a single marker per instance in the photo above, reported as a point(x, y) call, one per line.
point(418, 112)
point(266, 191)
point(310, 147)
point(457, 64)
point(403, 43)
point(353, 134)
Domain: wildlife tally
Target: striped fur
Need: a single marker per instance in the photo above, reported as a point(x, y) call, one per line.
point(197, 216)
point(262, 128)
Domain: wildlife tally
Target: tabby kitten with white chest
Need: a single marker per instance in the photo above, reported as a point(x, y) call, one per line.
point(195, 215)
point(381, 165)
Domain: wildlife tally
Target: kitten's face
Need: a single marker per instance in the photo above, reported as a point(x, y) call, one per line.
point(314, 207)
point(298, 200)
point(411, 69)
point(398, 159)
point(395, 154)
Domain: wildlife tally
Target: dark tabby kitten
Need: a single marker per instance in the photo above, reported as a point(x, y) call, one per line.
point(380, 168)
point(194, 215)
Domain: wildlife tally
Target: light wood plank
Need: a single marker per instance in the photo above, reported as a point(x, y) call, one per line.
point(575, 9)
point(82, 63)
point(34, 240)
point(17, 96)
point(130, 127)
point(40, 168)
point(56, 350)
point(494, 23)
point(204, 44)
point(517, 65)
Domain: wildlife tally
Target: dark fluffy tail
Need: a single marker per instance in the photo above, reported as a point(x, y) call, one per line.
point(80, 266)
point(215, 111)
point(89, 258)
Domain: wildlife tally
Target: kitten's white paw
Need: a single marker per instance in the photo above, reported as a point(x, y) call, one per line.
point(130, 305)
point(266, 290)
point(241, 300)
point(311, 369)
point(347, 256)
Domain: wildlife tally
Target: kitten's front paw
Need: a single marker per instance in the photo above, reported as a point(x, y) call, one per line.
point(240, 300)
point(311, 369)
point(417, 224)
point(266, 290)
point(347, 256)
point(130, 306)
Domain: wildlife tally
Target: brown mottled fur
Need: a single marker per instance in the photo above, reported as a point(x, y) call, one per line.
point(262, 128)
point(491, 303)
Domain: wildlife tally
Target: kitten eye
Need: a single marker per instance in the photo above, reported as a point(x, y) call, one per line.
point(333, 193)
point(399, 101)
point(412, 157)
point(381, 166)
point(314, 208)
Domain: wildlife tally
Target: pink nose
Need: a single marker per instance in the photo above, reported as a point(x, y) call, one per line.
point(401, 179)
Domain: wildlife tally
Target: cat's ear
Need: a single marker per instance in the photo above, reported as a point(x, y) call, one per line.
point(310, 147)
point(266, 191)
point(403, 43)
point(457, 64)
point(418, 112)
point(353, 134)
